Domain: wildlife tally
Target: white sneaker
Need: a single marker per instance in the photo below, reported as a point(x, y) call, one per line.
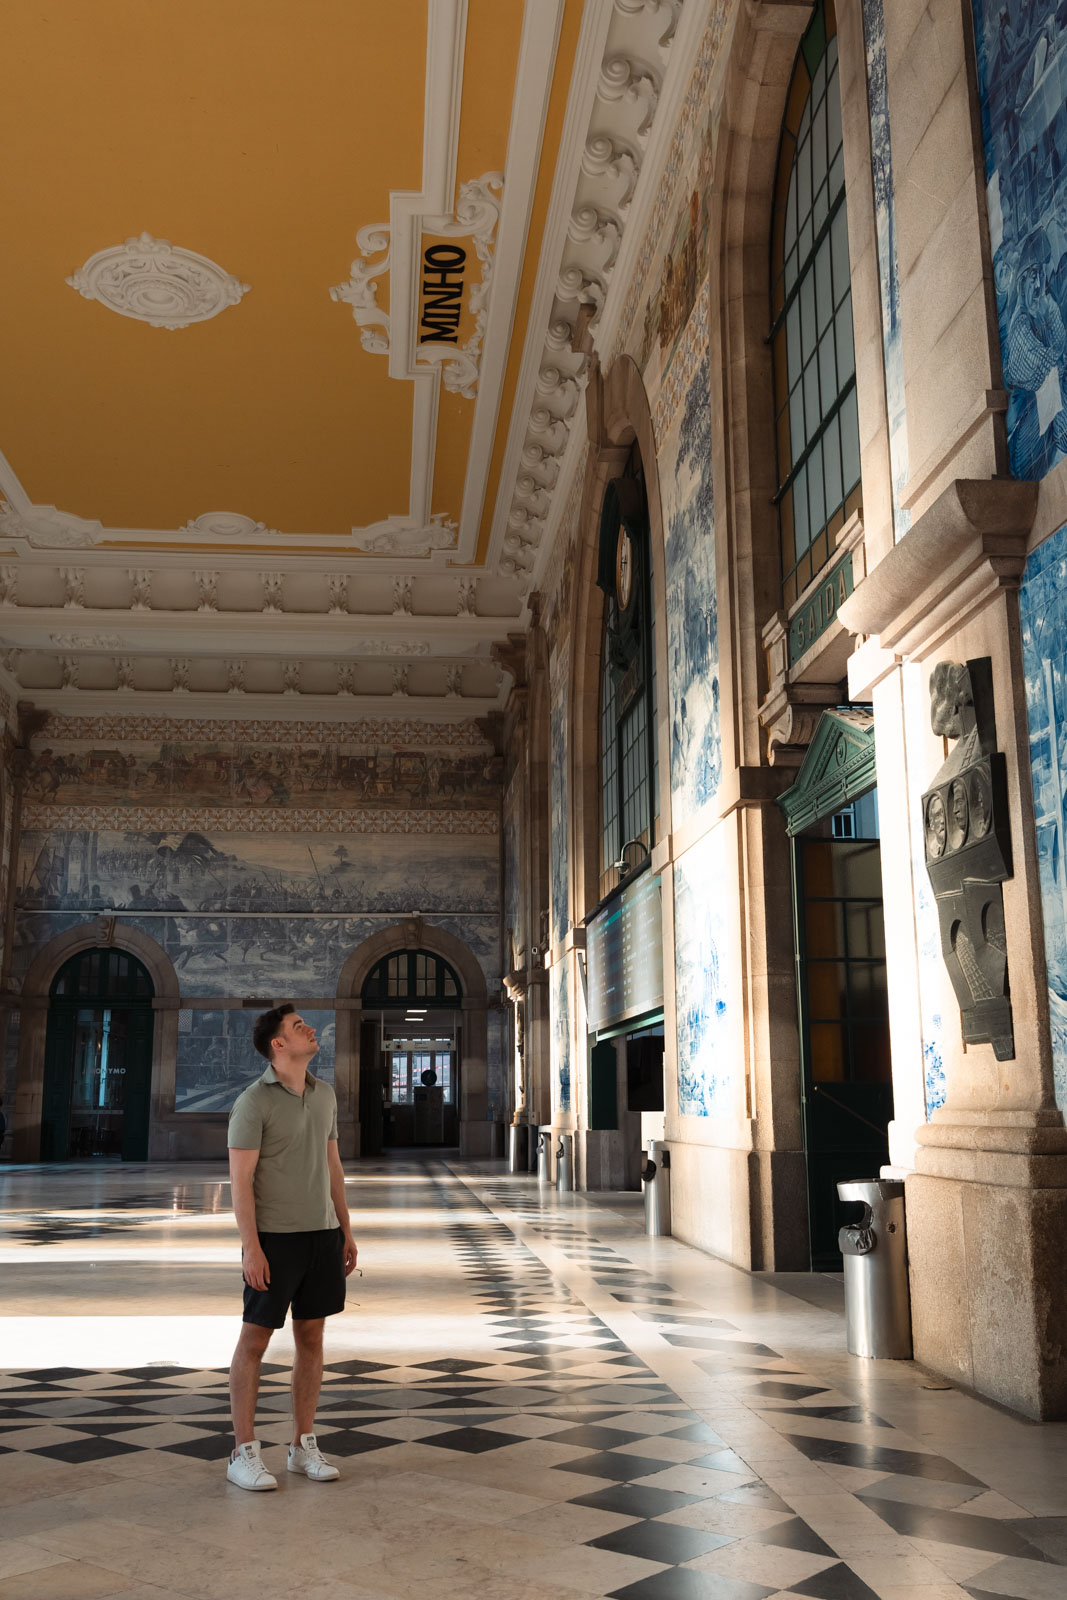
point(306, 1457)
point(247, 1471)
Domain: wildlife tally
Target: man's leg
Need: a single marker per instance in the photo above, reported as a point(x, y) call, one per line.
point(244, 1379)
point(307, 1373)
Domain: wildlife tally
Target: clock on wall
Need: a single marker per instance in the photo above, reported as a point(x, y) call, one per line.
point(624, 570)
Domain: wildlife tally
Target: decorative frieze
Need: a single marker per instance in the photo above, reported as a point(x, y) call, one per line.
point(367, 731)
point(692, 348)
point(252, 819)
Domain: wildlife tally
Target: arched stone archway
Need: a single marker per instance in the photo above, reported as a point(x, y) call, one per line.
point(416, 934)
point(33, 1028)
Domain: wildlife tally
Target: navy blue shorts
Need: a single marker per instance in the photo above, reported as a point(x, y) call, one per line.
point(307, 1272)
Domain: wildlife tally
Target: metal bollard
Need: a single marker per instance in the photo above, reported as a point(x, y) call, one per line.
point(544, 1155)
point(565, 1164)
point(875, 1252)
point(656, 1184)
point(518, 1151)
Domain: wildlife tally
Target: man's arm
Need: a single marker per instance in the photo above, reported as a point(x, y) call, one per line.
point(340, 1204)
point(243, 1164)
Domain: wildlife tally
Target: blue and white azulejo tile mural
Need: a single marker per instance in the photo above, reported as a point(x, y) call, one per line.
point(1022, 75)
point(1043, 608)
point(559, 800)
point(703, 976)
point(888, 267)
point(692, 605)
point(560, 1018)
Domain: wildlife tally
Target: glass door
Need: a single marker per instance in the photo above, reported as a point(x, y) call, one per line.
point(844, 1010)
point(98, 1084)
point(98, 1060)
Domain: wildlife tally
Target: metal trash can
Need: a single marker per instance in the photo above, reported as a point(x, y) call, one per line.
point(656, 1184)
point(518, 1147)
point(565, 1164)
point(544, 1155)
point(875, 1251)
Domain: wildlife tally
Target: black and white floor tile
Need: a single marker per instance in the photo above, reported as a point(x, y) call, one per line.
point(530, 1401)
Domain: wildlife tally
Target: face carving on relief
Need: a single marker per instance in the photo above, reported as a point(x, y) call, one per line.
point(947, 692)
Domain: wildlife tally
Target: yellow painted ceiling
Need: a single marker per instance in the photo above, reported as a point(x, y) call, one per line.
point(262, 134)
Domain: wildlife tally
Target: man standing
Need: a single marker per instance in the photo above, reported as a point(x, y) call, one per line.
point(288, 1189)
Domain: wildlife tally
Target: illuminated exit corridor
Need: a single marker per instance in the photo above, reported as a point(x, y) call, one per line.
point(528, 1400)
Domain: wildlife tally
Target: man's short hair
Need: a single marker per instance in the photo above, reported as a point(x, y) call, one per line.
point(267, 1027)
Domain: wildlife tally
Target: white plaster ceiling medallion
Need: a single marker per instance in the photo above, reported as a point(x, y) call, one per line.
point(156, 282)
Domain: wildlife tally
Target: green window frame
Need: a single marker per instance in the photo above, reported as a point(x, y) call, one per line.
point(812, 338)
point(409, 975)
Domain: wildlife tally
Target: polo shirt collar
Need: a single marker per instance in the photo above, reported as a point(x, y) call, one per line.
point(270, 1076)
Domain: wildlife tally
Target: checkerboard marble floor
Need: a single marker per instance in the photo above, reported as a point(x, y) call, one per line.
point(528, 1399)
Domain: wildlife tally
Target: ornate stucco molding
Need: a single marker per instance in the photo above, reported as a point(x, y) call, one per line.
point(608, 145)
point(156, 282)
point(476, 216)
point(226, 526)
point(44, 527)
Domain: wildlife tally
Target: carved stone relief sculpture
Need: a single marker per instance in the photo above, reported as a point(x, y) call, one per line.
point(968, 851)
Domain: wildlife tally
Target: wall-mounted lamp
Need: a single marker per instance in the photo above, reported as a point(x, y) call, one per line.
point(624, 866)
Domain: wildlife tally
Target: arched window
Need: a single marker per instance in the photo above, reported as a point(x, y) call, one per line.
point(817, 429)
point(104, 974)
point(628, 755)
point(412, 975)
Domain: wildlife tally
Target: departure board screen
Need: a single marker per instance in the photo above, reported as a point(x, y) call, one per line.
point(624, 956)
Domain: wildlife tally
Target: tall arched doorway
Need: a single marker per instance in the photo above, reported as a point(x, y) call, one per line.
point(360, 1066)
point(411, 1053)
point(98, 1058)
point(831, 814)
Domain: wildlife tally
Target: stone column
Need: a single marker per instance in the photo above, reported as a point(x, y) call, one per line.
point(987, 1199)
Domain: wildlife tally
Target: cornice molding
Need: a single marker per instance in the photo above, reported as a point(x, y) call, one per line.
point(963, 550)
point(207, 632)
point(239, 705)
point(631, 57)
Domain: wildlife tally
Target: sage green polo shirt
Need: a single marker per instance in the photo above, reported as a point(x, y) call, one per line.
point(292, 1178)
